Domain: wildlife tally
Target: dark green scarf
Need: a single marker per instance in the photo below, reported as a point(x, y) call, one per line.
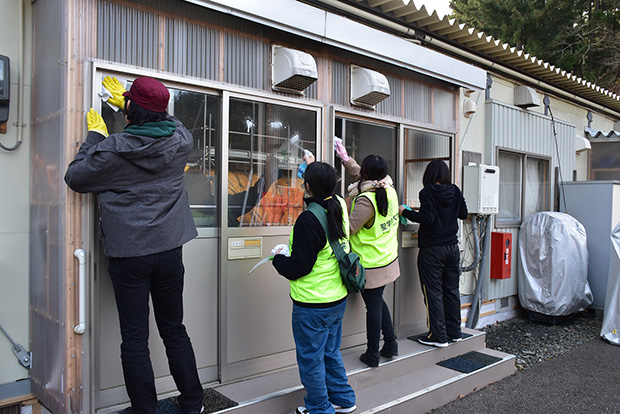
point(153, 129)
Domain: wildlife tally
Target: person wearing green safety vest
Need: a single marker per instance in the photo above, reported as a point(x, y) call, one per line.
point(318, 294)
point(373, 224)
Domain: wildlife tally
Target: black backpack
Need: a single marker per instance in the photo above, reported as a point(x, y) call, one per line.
point(351, 270)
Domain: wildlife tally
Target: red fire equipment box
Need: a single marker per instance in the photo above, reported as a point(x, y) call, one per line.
point(501, 255)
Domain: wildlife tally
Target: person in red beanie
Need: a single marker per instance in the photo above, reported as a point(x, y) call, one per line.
point(145, 219)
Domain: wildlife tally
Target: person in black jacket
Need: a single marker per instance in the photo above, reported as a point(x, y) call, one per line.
point(441, 204)
point(145, 220)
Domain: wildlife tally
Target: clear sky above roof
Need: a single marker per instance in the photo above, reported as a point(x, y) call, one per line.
point(441, 6)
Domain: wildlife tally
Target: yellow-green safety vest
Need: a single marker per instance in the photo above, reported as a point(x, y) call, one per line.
point(378, 245)
point(323, 284)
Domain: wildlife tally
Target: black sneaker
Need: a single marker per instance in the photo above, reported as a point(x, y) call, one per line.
point(301, 410)
point(389, 350)
point(453, 340)
point(430, 341)
point(370, 359)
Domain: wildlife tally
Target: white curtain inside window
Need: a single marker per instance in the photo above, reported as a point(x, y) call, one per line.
point(535, 186)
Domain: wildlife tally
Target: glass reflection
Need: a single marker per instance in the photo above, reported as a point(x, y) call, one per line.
point(266, 146)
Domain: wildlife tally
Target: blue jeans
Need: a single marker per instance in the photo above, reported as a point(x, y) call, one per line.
point(378, 319)
point(159, 275)
point(317, 333)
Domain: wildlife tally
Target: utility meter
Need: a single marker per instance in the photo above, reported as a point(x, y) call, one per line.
point(4, 89)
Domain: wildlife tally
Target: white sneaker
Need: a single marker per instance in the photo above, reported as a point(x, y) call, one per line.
point(340, 409)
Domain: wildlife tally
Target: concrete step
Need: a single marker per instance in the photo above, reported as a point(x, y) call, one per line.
point(409, 383)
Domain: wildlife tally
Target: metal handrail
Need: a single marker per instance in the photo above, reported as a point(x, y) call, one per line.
point(80, 328)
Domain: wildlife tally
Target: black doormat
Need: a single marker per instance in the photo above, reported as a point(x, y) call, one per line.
point(213, 401)
point(469, 362)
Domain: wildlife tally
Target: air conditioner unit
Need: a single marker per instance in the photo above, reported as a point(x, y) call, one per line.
point(368, 87)
point(526, 97)
point(292, 70)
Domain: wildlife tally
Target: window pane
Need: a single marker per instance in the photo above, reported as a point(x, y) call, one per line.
point(200, 114)
point(509, 187)
point(266, 144)
point(362, 139)
point(420, 149)
point(536, 186)
point(605, 164)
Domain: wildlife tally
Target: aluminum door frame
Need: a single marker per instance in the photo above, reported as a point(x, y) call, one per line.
point(272, 235)
point(99, 399)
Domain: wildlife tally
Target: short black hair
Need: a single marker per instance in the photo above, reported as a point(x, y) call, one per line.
point(137, 115)
point(437, 172)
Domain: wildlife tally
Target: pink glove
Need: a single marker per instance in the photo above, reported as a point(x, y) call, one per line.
point(341, 151)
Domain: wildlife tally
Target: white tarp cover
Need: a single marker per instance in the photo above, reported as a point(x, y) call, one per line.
point(553, 265)
point(611, 317)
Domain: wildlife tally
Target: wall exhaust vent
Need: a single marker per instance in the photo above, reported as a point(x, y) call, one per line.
point(368, 87)
point(526, 97)
point(292, 70)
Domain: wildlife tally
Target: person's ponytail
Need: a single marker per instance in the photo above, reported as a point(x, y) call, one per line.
point(382, 201)
point(334, 218)
point(322, 180)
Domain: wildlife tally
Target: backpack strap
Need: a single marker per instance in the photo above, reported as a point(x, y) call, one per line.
point(321, 215)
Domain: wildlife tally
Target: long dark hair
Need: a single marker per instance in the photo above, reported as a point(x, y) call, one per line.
point(137, 115)
point(374, 167)
point(436, 172)
point(322, 180)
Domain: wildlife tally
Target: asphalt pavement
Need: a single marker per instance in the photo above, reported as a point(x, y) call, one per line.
point(583, 380)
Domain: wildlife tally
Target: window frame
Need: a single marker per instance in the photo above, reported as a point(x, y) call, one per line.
point(524, 157)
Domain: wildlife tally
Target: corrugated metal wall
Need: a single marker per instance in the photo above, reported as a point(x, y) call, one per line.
point(63, 36)
point(191, 39)
point(416, 106)
point(47, 300)
point(512, 128)
point(191, 49)
point(127, 35)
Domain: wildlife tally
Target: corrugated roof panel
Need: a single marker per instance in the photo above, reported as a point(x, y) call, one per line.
point(470, 38)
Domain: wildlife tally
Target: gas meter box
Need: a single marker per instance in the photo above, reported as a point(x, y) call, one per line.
point(481, 188)
point(501, 255)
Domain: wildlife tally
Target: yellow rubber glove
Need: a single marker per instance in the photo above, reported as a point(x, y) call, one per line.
point(116, 89)
point(95, 123)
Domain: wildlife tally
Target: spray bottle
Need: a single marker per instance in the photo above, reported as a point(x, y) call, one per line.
point(302, 167)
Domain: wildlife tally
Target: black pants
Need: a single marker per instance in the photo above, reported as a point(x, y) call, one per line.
point(159, 275)
point(438, 267)
point(378, 319)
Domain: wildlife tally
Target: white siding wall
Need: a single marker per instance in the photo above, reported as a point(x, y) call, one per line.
point(14, 187)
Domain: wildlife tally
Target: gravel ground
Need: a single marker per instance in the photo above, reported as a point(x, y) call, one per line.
point(534, 342)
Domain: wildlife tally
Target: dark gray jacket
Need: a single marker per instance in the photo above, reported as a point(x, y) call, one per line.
point(143, 204)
